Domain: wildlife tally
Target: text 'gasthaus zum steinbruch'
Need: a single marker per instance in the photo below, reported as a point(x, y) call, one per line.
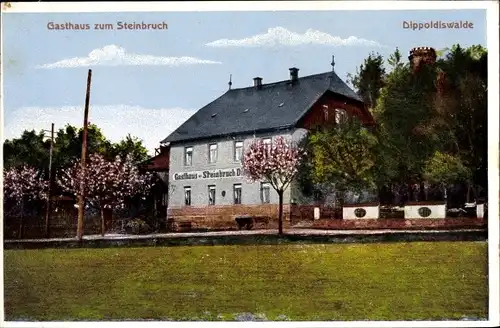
point(125, 26)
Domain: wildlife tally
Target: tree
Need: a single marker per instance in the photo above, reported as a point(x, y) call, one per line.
point(461, 108)
point(439, 109)
point(403, 114)
point(24, 185)
point(130, 146)
point(108, 184)
point(342, 158)
point(369, 79)
point(29, 149)
point(276, 164)
point(68, 144)
point(395, 60)
point(444, 169)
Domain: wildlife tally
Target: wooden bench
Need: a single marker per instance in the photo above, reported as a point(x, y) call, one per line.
point(244, 221)
point(184, 226)
point(248, 221)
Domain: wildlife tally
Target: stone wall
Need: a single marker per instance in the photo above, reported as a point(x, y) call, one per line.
point(416, 224)
point(250, 239)
point(60, 226)
point(223, 218)
point(305, 213)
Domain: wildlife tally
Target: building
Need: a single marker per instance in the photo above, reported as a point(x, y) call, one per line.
point(206, 177)
point(422, 56)
point(159, 165)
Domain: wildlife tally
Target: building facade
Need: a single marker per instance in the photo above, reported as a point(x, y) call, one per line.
point(210, 172)
point(206, 178)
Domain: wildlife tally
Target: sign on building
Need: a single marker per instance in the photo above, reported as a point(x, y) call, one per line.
point(208, 174)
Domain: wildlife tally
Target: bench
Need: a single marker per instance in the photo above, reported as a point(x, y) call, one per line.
point(244, 221)
point(248, 221)
point(184, 226)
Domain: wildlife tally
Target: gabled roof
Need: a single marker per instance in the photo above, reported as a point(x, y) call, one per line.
point(248, 110)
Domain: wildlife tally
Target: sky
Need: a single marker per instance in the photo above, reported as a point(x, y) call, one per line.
point(148, 82)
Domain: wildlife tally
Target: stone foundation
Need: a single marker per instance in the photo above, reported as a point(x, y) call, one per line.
point(223, 217)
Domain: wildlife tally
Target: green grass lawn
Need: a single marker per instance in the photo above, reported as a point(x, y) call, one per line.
point(392, 281)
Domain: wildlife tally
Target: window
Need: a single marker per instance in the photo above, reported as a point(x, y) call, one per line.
point(265, 193)
point(211, 195)
point(188, 156)
point(325, 112)
point(340, 116)
point(238, 151)
point(187, 196)
point(212, 153)
point(267, 143)
point(237, 193)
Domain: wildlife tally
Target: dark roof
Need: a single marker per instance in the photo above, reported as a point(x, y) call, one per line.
point(248, 110)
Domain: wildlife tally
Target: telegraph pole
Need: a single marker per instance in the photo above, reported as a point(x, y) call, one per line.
point(49, 198)
point(81, 198)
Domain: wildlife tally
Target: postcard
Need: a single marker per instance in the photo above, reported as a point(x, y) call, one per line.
point(328, 164)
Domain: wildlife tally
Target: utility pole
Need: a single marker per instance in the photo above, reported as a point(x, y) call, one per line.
point(81, 198)
point(49, 198)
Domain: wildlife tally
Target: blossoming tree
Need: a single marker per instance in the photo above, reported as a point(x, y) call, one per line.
point(23, 185)
point(108, 184)
point(276, 163)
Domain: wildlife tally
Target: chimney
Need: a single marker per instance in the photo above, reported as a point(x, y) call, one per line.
point(421, 55)
point(257, 82)
point(294, 74)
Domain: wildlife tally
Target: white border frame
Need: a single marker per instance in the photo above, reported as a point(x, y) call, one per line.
point(493, 137)
point(106, 6)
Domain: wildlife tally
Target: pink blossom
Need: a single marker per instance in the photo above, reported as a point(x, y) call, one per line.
point(276, 163)
point(107, 183)
point(24, 183)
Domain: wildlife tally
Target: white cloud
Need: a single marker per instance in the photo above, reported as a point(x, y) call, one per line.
point(281, 36)
point(113, 55)
point(115, 121)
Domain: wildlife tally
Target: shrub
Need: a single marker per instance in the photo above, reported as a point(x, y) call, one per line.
point(137, 226)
